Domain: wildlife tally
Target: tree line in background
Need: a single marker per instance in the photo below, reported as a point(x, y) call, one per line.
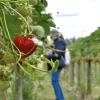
point(86, 47)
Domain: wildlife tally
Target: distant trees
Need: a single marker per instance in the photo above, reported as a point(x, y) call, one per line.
point(88, 46)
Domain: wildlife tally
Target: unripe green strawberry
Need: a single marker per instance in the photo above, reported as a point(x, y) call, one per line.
point(33, 2)
point(25, 10)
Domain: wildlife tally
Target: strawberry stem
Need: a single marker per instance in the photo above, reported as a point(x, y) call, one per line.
point(23, 69)
point(7, 28)
point(11, 42)
point(2, 25)
point(36, 68)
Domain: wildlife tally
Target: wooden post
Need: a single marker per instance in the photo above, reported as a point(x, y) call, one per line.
point(79, 73)
point(98, 73)
point(95, 71)
point(72, 72)
point(4, 96)
point(89, 76)
point(18, 84)
point(67, 72)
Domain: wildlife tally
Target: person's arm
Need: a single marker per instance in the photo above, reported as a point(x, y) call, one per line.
point(53, 56)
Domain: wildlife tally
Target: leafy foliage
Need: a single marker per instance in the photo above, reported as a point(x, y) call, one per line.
point(88, 46)
point(21, 17)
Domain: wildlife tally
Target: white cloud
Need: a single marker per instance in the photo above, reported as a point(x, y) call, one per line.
point(76, 17)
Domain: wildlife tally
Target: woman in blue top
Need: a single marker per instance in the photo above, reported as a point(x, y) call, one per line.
point(58, 54)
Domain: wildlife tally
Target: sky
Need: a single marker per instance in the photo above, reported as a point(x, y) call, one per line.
point(75, 18)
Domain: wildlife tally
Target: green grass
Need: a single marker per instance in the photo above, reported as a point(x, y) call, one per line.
point(39, 87)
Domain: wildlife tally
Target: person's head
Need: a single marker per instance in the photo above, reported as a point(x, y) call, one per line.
point(55, 34)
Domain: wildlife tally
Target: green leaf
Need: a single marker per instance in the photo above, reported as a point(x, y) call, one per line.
point(13, 24)
point(44, 2)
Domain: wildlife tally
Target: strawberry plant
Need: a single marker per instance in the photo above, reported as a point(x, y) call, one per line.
point(20, 21)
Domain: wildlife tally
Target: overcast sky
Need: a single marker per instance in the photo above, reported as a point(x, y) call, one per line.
point(75, 17)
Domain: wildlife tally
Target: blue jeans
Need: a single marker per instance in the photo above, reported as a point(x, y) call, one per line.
point(56, 85)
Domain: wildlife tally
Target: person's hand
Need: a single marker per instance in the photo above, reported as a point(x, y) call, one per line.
point(49, 46)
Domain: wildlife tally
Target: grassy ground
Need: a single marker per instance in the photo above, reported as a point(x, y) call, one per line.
point(46, 90)
point(42, 88)
point(70, 91)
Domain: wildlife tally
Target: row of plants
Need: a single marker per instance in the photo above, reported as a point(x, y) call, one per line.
point(85, 54)
point(86, 47)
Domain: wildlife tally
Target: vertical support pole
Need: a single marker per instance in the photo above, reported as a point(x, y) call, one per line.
point(79, 73)
point(72, 72)
point(18, 84)
point(95, 71)
point(89, 76)
point(4, 96)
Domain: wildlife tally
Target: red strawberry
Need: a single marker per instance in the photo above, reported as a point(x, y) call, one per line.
point(25, 44)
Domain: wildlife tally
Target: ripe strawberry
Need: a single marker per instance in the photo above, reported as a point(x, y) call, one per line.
point(25, 44)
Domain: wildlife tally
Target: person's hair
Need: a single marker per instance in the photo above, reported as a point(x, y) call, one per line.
point(55, 34)
point(61, 36)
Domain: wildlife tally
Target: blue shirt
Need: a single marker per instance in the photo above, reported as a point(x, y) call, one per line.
point(59, 44)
